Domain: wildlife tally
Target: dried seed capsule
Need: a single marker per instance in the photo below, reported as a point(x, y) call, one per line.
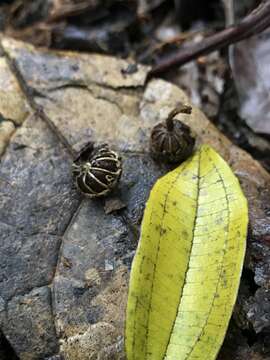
point(172, 141)
point(96, 173)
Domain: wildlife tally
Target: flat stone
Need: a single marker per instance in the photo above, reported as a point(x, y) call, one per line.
point(65, 67)
point(93, 290)
point(84, 346)
point(81, 95)
point(36, 203)
point(258, 310)
point(87, 97)
point(29, 325)
point(13, 104)
point(6, 130)
point(113, 204)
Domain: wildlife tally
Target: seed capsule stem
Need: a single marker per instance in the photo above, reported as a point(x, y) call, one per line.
point(183, 109)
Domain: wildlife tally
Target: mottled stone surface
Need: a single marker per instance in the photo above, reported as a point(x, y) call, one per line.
point(83, 263)
point(79, 86)
point(36, 203)
point(7, 128)
point(235, 347)
point(90, 287)
point(31, 315)
point(13, 104)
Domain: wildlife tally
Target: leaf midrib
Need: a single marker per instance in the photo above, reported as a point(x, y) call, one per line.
point(187, 269)
point(150, 303)
point(222, 262)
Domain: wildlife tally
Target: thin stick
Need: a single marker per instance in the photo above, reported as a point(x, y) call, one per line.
point(257, 21)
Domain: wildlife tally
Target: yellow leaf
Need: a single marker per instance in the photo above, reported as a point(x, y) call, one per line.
point(186, 271)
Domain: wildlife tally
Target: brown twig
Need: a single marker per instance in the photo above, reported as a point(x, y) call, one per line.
point(257, 21)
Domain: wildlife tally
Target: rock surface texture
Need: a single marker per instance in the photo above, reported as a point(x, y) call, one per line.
point(65, 260)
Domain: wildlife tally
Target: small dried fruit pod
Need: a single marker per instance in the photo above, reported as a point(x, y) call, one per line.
point(97, 173)
point(172, 141)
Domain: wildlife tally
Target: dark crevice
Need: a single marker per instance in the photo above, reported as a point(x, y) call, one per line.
point(190, 11)
point(25, 292)
point(3, 119)
point(248, 279)
point(53, 318)
point(124, 90)
point(250, 335)
point(69, 224)
point(86, 88)
point(6, 350)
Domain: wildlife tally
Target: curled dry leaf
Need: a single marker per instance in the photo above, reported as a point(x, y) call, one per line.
point(250, 64)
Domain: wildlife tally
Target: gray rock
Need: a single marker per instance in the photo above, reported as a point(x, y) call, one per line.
point(6, 130)
point(36, 200)
point(258, 310)
point(13, 103)
point(90, 286)
point(54, 357)
point(2, 304)
point(35, 207)
point(28, 324)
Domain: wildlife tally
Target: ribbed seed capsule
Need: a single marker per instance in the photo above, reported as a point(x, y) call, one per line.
point(98, 173)
point(172, 141)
